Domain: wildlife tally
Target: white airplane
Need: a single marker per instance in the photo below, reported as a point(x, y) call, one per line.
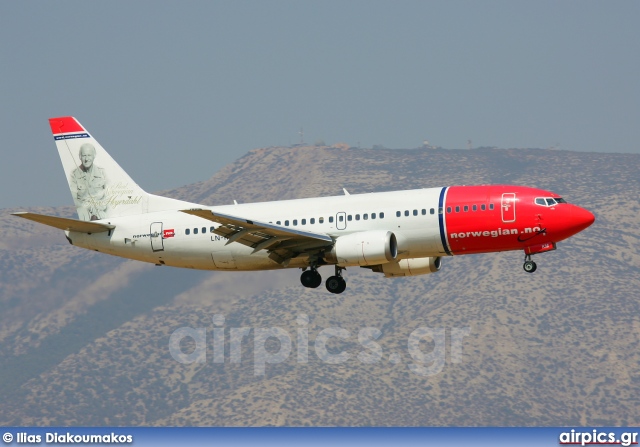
point(396, 233)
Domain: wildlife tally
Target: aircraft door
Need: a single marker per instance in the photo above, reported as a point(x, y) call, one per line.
point(157, 243)
point(508, 207)
point(341, 220)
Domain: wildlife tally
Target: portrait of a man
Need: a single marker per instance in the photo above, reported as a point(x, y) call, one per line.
point(89, 185)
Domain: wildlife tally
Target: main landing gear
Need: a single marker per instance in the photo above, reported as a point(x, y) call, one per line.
point(336, 283)
point(529, 266)
point(312, 279)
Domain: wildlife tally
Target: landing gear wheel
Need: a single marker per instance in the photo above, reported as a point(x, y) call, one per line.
point(311, 278)
point(336, 284)
point(529, 266)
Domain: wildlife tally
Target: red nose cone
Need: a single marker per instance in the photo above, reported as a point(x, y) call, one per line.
point(581, 218)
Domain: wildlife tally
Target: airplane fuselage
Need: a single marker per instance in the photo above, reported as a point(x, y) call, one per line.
point(397, 233)
point(429, 222)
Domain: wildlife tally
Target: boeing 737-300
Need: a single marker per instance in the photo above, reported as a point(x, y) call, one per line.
point(396, 233)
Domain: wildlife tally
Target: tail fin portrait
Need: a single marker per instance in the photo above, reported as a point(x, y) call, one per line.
point(99, 186)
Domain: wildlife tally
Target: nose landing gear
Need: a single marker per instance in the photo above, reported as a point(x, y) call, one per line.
point(529, 266)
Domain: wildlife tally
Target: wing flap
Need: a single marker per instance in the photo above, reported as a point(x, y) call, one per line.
point(261, 235)
point(63, 223)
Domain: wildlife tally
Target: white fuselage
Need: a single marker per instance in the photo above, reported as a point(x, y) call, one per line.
point(177, 239)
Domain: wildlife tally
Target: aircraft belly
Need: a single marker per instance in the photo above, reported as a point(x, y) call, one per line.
point(254, 263)
point(224, 260)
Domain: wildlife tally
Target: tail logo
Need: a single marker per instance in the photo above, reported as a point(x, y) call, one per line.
point(101, 189)
point(88, 184)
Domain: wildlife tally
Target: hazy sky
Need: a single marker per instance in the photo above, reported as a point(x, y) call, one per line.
point(176, 90)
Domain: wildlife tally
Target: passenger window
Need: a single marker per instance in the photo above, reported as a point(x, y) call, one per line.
point(330, 219)
point(304, 221)
point(466, 208)
point(424, 212)
point(475, 208)
point(415, 212)
point(312, 220)
point(204, 230)
point(349, 218)
point(295, 222)
point(212, 229)
point(195, 231)
point(457, 209)
point(381, 215)
point(483, 207)
point(373, 215)
point(491, 206)
point(365, 216)
point(286, 223)
point(440, 210)
point(340, 218)
point(432, 211)
point(398, 214)
point(278, 223)
point(406, 212)
point(448, 209)
point(357, 216)
point(187, 232)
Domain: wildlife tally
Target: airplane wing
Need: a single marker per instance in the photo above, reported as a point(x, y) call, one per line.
point(283, 243)
point(62, 223)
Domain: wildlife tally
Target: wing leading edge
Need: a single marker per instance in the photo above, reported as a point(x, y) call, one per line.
point(282, 243)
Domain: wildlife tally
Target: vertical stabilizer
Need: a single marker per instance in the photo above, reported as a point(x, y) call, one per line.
point(99, 186)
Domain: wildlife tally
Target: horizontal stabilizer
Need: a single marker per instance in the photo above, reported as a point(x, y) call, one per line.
point(62, 223)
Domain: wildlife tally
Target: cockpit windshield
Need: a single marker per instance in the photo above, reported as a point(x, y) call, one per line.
point(549, 201)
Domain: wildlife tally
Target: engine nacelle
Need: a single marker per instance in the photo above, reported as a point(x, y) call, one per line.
point(409, 267)
point(364, 248)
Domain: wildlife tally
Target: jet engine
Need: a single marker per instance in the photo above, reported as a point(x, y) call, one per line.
point(409, 267)
point(364, 248)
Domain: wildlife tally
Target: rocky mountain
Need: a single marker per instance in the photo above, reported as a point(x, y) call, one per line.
point(84, 337)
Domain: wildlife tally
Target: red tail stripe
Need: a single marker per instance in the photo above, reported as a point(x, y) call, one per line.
point(64, 124)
